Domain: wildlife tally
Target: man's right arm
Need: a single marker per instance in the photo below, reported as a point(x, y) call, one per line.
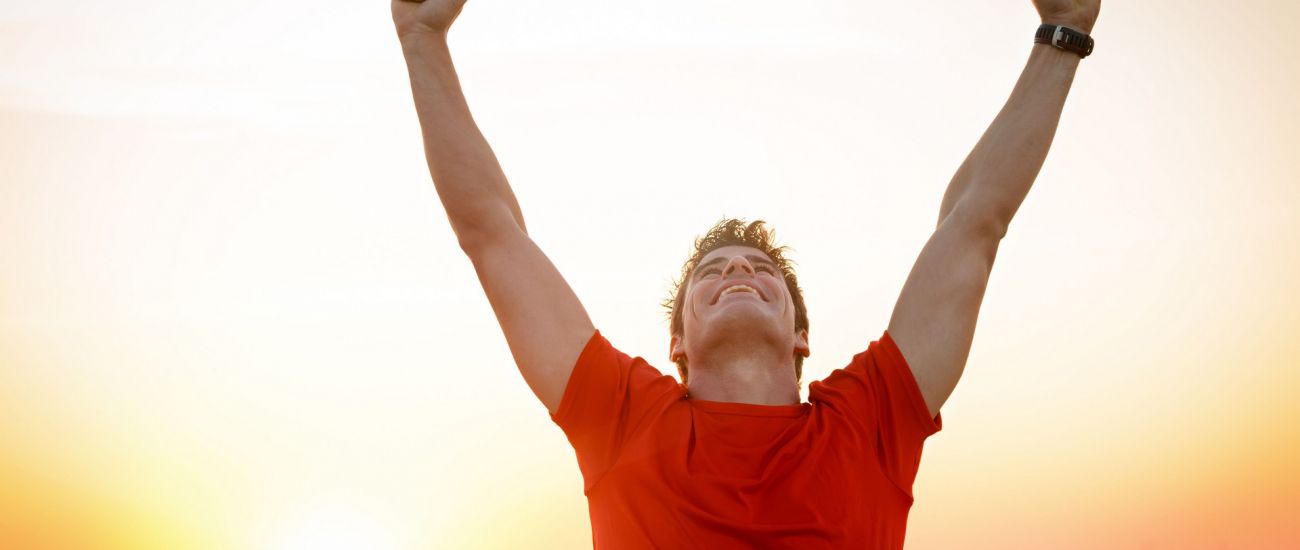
point(544, 323)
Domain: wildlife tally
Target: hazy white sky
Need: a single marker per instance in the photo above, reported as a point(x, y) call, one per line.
point(231, 305)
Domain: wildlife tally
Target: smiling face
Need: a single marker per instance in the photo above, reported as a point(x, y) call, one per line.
point(718, 246)
point(738, 294)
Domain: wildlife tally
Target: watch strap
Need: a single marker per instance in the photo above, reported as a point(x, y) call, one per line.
point(1064, 38)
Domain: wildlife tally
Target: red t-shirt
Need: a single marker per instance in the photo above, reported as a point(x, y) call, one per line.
point(664, 471)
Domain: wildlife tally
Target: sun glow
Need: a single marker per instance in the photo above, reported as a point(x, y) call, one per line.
point(332, 527)
point(233, 315)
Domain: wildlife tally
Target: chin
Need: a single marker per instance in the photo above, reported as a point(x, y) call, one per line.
point(744, 324)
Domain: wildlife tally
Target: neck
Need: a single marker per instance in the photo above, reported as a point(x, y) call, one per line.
point(745, 377)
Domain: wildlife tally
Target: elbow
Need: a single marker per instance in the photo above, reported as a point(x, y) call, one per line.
point(983, 220)
point(996, 226)
point(475, 234)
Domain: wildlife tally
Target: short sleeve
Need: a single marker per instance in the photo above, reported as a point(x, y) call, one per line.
point(609, 397)
point(878, 386)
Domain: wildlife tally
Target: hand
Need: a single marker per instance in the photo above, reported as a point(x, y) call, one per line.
point(1076, 14)
point(425, 16)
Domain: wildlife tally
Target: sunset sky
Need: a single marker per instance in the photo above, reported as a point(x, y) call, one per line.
point(233, 314)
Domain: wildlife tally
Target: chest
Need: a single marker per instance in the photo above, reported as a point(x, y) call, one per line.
point(765, 469)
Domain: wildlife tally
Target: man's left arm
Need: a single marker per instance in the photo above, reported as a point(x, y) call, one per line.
point(933, 322)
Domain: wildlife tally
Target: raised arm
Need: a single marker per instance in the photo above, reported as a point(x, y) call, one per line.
point(543, 321)
point(933, 322)
point(465, 171)
point(997, 175)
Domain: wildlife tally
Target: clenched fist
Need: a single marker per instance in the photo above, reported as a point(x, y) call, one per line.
point(425, 16)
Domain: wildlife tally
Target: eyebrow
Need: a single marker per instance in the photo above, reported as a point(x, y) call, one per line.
point(752, 258)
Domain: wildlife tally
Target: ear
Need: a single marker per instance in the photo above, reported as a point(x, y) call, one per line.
point(801, 343)
point(675, 348)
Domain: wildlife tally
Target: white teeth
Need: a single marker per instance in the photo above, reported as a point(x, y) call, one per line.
point(738, 288)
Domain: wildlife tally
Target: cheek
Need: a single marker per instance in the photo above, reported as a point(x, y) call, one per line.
point(696, 298)
point(701, 295)
point(776, 287)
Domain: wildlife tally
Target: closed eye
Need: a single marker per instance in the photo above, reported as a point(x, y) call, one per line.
point(763, 267)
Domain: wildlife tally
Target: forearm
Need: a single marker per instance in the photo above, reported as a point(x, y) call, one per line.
point(997, 175)
point(469, 180)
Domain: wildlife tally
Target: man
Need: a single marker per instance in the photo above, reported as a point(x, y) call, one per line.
point(730, 457)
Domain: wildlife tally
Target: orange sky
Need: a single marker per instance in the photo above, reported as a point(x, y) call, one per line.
point(233, 315)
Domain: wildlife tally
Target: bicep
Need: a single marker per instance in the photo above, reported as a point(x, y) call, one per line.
point(544, 323)
point(933, 322)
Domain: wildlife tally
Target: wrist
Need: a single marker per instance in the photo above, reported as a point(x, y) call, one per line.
point(1076, 25)
point(1064, 38)
point(421, 37)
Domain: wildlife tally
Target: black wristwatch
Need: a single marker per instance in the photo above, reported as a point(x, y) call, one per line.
point(1064, 38)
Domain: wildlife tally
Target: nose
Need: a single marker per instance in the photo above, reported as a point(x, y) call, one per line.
point(738, 263)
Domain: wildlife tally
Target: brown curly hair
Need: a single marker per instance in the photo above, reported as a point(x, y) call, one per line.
point(730, 231)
